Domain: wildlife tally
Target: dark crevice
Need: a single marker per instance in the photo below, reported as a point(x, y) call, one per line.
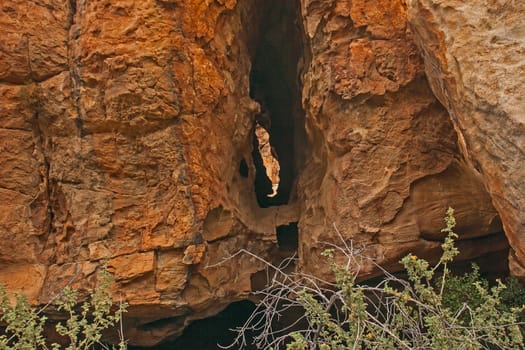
point(274, 84)
point(243, 168)
point(72, 12)
point(74, 64)
point(288, 237)
point(46, 195)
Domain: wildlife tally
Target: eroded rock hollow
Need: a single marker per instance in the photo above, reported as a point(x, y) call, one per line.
point(128, 135)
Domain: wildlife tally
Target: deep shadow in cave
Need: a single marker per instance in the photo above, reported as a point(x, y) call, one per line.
point(205, 334)
point(243, 168)
point(287, 237)
point(275, 85)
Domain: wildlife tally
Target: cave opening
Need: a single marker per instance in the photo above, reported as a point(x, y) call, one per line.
point(288, 237)
point(207, 333)
point(278, 136)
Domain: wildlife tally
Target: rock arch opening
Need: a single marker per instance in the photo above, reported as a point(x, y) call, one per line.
point(288, 238)
point(278, 132)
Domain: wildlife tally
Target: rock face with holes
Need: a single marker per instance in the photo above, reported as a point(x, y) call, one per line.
point(127, 131)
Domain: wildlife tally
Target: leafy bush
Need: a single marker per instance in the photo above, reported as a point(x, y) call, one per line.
point(463, 289)
point(429, 310)
point(514, 296)
point(24, 325)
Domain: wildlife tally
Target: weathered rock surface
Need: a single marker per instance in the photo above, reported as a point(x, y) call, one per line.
point(126, 133)
point(122, 126)
point(473, 53)
point(386, 146)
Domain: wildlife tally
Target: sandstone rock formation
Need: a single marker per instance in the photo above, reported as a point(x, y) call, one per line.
point(473, 53)
point(387, 147)
point(126, 134)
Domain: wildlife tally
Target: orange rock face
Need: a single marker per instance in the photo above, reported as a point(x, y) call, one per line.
point(387, 148)
point(126, 137)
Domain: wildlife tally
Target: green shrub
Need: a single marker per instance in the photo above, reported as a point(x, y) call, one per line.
point(463, 289)
point(460, 290)
point(514, 297)
point(24, 325)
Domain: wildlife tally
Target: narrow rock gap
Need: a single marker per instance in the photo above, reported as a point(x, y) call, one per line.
point(243, 168)
point(278, 138)
point(72, 11)
point(278, 130)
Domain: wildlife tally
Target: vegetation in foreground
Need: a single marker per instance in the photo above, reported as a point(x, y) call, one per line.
point(431, 309)
point(82, 329)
